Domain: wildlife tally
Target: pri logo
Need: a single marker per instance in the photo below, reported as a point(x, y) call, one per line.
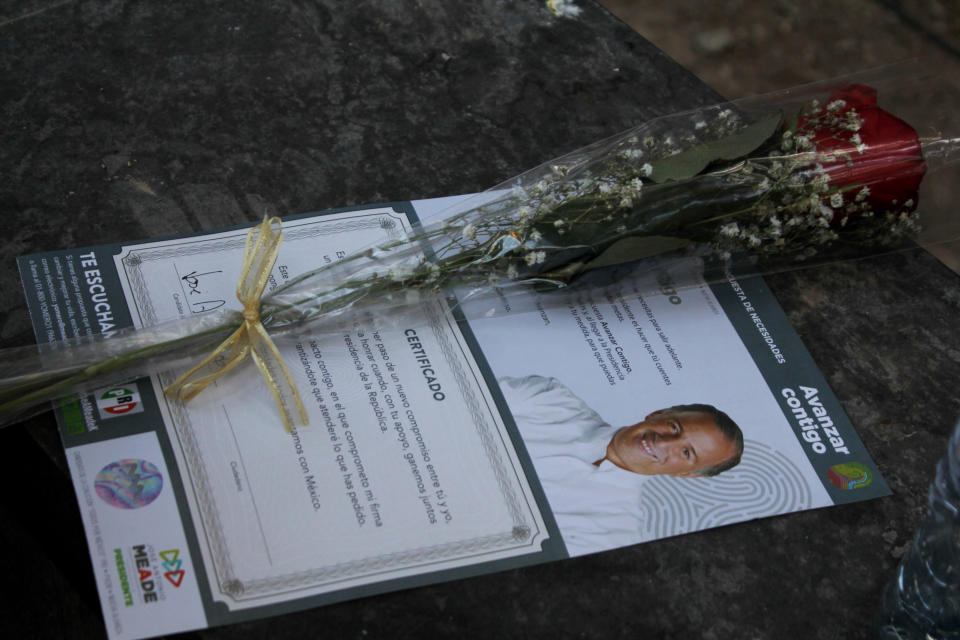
point(128, 483)
point(172, 563)
point(850, 475)
point(118, 401)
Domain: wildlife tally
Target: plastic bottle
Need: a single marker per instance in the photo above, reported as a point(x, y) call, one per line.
point(923, 600)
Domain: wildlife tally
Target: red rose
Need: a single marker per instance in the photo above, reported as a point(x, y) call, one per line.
point(884, 154)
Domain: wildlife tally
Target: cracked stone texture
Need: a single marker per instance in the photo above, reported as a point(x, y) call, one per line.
point(127, 120)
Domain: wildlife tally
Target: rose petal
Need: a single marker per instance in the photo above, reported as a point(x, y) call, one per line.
point(891, 163)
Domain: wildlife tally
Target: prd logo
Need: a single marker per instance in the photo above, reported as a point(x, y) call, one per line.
point(172, 563)
point(117, 401)
point(850, 476)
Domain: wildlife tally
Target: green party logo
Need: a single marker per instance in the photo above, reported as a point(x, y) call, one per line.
point(850, 475)
point(118, 401)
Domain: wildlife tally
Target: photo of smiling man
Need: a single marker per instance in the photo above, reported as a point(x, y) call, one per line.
point(593, 473)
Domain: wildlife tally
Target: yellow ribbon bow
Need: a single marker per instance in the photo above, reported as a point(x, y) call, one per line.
point(251, 339)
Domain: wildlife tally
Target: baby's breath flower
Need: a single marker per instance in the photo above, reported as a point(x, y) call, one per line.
point(535, 257)
point(836, 200)
point(836, 105)
point(400, 273)
point(775, 229)
point(563, 8)
point(853, 122)
point(730, 230)
point(646, 170)
point(821, 182)
point(826, 215)
point(469, 231)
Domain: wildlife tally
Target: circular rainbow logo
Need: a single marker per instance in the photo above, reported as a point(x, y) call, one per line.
point(129, 483)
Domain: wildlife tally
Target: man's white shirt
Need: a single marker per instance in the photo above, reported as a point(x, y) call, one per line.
point(596, 507)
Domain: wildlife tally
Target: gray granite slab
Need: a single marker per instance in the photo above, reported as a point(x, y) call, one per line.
point(125, 120)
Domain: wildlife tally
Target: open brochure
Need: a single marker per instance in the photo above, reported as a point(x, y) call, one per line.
point(443, 441)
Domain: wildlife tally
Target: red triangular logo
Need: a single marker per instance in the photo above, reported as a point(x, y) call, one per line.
point(175, 577)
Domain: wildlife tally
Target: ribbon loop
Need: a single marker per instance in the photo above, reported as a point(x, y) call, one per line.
point(251, 338)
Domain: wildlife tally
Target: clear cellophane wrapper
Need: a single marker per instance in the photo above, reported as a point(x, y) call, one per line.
point(798, 178)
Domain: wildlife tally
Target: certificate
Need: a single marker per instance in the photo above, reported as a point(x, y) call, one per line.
point(405, 467)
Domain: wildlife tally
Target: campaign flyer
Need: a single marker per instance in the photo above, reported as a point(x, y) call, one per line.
point(454, 437)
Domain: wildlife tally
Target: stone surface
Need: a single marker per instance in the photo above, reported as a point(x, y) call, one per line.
point(127, 120)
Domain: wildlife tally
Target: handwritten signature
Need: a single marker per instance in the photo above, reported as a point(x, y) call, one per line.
point(193, 282)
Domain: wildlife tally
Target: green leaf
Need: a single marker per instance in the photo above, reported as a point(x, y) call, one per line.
point(635, 248)
point(791, 120)
point(620, 252)
point(562, 276)
point(689, 163)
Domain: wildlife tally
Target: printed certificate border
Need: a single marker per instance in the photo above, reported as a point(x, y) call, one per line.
point(526, 533)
